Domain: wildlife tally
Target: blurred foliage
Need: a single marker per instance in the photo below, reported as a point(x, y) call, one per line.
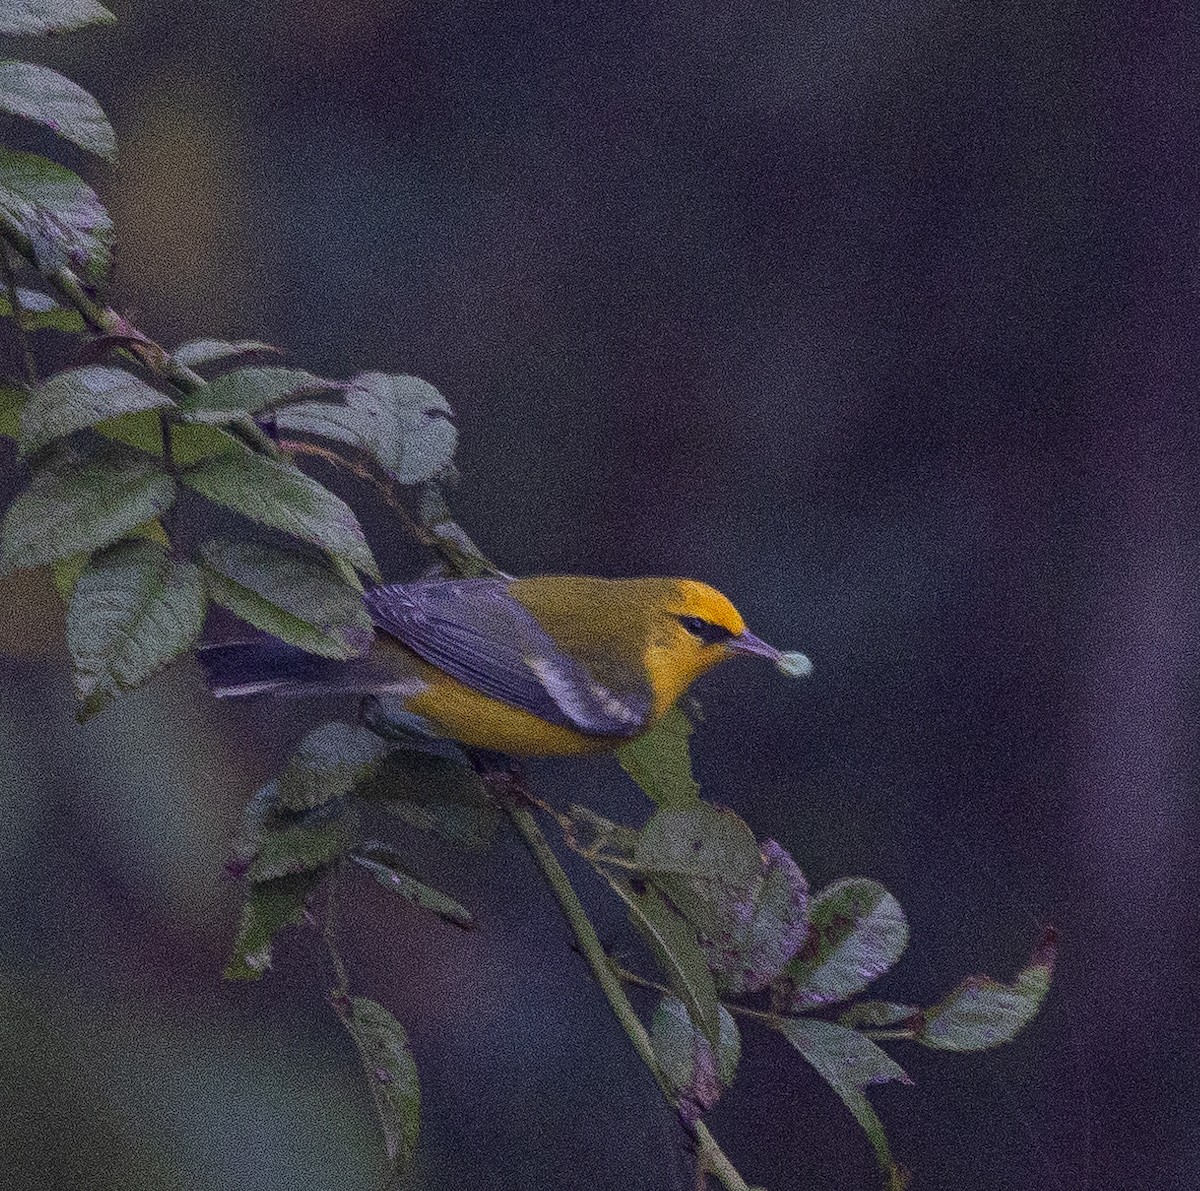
point(118, 450)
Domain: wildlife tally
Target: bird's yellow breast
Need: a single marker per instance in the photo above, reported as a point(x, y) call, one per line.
point(479, 721)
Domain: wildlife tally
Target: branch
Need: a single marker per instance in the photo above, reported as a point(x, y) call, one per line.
point(709, 1155)
point(155, 359)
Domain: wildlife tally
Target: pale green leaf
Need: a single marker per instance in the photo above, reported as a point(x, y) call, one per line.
point(982, 1012)
point(675, 948)
point(391, 1072)
point(328, 763)
point(43, 95)
point(82, 397)
point(23, 18)
point(659, 762)
point(756, 930)
point(298, 599)
point(76, 503)
point(700, 842)
point(64, 220)
point(198, 352)
point(270, 906)
point(40, 312)
point(243, 391)
point(687, 1060)
point(280, 495)
point(387, 867)
point(848, 1062)
point(133, 611)
point(402, 421)
point(857, 931)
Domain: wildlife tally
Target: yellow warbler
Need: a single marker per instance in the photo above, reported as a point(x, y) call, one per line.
point(553, 665)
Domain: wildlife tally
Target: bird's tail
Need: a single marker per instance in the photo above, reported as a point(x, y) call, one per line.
point(270, 667)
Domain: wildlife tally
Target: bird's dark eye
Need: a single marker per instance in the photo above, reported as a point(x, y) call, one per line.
point(708, 632)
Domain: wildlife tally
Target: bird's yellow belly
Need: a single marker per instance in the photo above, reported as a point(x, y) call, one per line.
point(480, 721)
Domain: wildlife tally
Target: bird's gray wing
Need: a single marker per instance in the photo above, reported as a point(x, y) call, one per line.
point(475, 631)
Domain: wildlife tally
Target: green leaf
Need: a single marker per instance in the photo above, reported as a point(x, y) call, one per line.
point(298, 599)
point(21, 18)
point(280, 495)
point(700, 842)
point(328, 763)
point(251, 390)
point(857, 931)
point(198, 352)
point(43, 95)
point(391, 1072)
point(190, 441)
point(673, 942)
point(294, 848)
point(12, 401)
point(65, 222)
point(261, 814)
point(687, 1060)
point(133, 611)
point(82, 397)
point(875, 1015)
point(438, 794)
point(40, 312)
point(848, 1062)
point(270, 906)
point(402, 421)
point(386, 865)
point(982, 1013)
point(66, 571)
point(141, 431)
point(659, 762)
point(78, 503)
point(758, 929)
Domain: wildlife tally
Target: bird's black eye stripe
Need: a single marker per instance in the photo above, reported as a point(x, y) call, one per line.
point(708, 632)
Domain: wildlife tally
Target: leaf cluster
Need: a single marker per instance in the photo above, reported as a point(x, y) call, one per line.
point(726, 920)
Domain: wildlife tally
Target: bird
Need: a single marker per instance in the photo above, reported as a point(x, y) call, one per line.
point(553, 665)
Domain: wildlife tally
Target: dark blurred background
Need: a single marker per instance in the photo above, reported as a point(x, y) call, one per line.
point(879, 317)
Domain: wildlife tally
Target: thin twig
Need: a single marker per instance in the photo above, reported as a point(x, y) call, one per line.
point(385, 488)
point(155, 359)
point(709, 1154)
point(445, 539)
point(628, 977)
point(18, 314)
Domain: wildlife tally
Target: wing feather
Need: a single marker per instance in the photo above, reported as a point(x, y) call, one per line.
point(475, 631)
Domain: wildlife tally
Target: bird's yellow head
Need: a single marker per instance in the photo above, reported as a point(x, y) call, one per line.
point(699, 627)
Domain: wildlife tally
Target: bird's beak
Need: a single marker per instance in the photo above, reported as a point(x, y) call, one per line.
point(747, 642)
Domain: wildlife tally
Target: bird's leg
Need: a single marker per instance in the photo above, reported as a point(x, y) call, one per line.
point(503, 776)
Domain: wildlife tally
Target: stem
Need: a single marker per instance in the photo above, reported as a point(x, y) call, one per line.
point(444, 537)
point(18, 314)
point(628, 977)
point(329, 937)
point(103, 320)
point(709, 1154)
